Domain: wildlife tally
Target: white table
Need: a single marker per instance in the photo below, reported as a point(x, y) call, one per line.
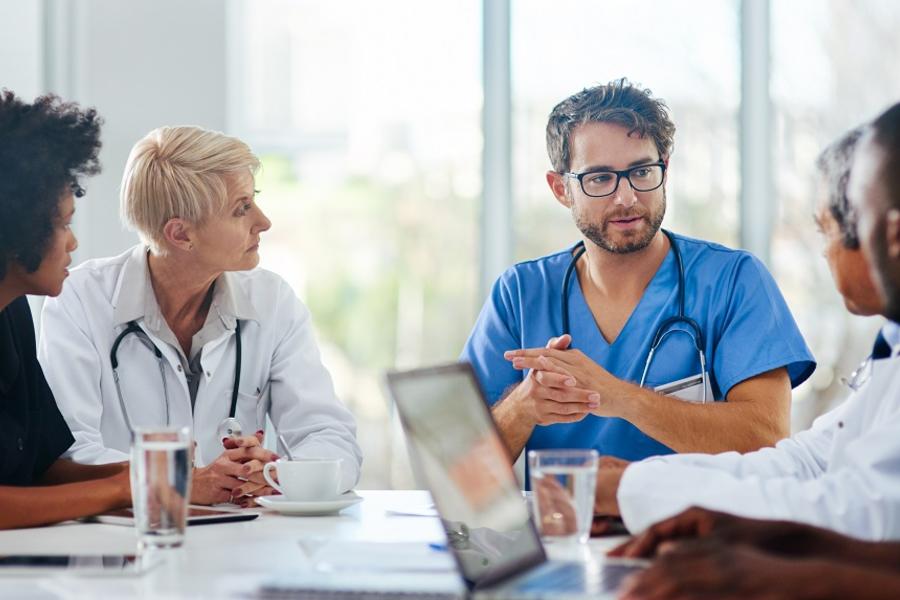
point(216, 558)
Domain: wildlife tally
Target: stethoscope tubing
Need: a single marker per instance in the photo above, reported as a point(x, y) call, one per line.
point(134, 328)
point(664, 328)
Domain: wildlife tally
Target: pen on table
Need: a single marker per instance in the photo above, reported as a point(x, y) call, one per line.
point(284, 445)
point(438, 547)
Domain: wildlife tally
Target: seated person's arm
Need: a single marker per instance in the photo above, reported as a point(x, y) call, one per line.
point(859, 499)
point(73, 365)
point(66, 471)
point(707, 569)
point(756, 414)
point(45, 504)
point(784, 538)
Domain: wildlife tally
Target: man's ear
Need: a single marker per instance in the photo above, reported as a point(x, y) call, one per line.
point(892, 233)
point(557, 183)
point(178, 234)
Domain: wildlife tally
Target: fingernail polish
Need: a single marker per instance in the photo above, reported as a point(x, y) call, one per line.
point(570, 382)
point(593, 405)
point(594, 397)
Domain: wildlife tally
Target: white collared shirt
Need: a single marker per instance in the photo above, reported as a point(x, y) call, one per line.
point(102, 296)
point(891, 333)
point(842, 474)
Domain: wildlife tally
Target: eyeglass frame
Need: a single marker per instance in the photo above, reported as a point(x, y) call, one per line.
point(619, 175)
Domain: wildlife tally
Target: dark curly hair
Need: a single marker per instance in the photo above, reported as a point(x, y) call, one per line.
point(44, 148)
point(619, 102)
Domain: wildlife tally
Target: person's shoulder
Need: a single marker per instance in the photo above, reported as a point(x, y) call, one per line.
point(549, 266)
point(99, 269)
point(19, 311)
point(695, 250)
point(259, 279)
point(534, 276)
point(266, 290)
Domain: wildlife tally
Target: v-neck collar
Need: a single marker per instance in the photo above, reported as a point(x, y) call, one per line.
point(592, 337)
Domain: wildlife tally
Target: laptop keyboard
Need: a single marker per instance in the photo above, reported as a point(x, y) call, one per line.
point(570, 577)
point(559, 577)
point(281, 593)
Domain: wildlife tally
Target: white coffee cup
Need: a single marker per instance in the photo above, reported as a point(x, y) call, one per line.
point(306, 479)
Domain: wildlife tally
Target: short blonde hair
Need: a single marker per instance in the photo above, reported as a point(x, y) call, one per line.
point(179, 172)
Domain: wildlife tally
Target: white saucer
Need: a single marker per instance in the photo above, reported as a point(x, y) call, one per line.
point(319, 507)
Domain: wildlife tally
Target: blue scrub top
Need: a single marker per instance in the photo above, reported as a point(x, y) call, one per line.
point(747, 326)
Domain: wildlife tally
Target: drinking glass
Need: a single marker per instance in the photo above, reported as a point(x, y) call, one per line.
point(563, 484)
point(161, 484)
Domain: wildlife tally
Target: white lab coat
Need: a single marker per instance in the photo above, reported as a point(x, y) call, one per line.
point(278, 345)
point(842, 474)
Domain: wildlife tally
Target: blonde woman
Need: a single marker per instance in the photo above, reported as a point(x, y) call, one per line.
point(185, 329)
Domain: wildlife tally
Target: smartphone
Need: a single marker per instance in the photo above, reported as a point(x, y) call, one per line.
point(198, 515)
point(82, 565)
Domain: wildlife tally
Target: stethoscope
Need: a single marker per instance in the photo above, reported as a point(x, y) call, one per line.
point(860, 376)
point(665, 328)
point(228, 427)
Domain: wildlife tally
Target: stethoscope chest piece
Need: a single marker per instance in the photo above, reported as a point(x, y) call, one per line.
point(229, 428)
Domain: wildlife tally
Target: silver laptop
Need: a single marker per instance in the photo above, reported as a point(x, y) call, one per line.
point(457, 452)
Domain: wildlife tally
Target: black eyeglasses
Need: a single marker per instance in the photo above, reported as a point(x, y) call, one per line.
point(642, 178)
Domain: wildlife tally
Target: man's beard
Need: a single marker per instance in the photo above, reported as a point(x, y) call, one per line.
point(598, 233)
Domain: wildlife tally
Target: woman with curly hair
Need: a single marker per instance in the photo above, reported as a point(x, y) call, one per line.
point(44, 148)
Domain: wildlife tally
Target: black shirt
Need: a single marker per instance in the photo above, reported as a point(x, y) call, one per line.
point(33, 433)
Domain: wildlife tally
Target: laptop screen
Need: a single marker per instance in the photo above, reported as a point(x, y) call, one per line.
point(457, 452)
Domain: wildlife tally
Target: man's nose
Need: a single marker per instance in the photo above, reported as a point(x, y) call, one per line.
point(624, 194)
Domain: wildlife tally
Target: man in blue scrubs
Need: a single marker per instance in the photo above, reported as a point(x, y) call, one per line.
point(609, 146)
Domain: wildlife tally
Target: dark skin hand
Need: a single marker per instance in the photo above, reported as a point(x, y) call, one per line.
point(708, 570)
point(66, 491)
point(776, 537)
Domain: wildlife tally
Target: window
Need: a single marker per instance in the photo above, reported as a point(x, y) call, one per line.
point(562, 46)
point(370, 136)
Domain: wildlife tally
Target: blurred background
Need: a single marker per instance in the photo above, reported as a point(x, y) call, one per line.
point(403, 144)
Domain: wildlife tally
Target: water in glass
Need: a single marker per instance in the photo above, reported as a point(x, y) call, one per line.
point(160, 485)
point(563, 486)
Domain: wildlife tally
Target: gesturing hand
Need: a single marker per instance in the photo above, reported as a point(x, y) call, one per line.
point(569, 375)
point(549, 394)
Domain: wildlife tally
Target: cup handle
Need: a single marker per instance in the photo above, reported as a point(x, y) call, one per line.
point(273, 484)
